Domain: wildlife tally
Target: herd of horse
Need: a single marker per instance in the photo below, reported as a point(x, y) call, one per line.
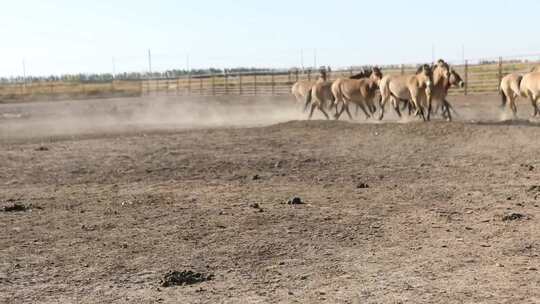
point(423, 93)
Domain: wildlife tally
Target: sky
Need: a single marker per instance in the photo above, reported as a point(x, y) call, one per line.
point(69, 36)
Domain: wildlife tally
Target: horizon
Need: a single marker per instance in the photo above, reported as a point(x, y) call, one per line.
point(61, 37)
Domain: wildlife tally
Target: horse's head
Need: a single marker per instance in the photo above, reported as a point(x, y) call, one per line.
point(323, 74)
point(376, 73)
point(441, 69)
point(425, 71)
point(455, 79)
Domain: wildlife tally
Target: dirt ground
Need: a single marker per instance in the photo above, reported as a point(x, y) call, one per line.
point(123, 191)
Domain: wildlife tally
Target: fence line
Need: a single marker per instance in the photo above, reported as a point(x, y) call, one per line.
point(481, 77)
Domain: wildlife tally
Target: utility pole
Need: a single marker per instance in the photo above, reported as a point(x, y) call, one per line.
point(113, 67)
point(314, 58)
point(149, 61)
point(24, 70)
point(302, 60)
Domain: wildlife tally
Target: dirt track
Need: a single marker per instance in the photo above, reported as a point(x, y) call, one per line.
point(117, 206)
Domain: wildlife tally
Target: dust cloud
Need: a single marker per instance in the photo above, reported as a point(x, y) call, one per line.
point(110, 116)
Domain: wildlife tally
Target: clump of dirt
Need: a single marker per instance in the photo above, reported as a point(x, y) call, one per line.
point(295, 201)
point(513, 217)
point(176, 278)
point(362, 186)
point(528, 167)
point(16, 207)
point(257, 206)
point(42, 149)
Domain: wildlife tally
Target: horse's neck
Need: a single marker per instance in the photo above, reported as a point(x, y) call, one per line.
point(440, 81)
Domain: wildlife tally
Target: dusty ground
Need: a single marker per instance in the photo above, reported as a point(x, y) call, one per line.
point(121, 193)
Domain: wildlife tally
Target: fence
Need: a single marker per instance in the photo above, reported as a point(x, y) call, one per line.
point(481, 76)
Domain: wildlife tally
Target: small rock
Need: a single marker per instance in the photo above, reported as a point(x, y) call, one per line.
point(362, 186)
point(278, 164)
point(255, 206)
point(534, 188)
point(16, 207)
point(42, 148)
point(499, 265)
point(295, 201)
point(176, 278)
point(513, 217)
point(256, 177)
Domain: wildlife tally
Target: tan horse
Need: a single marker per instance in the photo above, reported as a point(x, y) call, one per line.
point(509, 89)
point(300, 89)
point(530, 88)
point(320, 96)
point(444, 77)
point(361, 92)
point(408, 87)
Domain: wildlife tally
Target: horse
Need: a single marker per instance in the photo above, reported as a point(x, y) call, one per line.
point(300, 89)
point(360, 91)
point(529, 87)
point(444, 77)
point(320, 96)
point(510, 91)
point(408, 88)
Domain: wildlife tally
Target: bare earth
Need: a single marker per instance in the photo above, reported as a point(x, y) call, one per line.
point(123, 191)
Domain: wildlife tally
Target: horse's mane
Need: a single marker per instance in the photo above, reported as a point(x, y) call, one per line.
point(423, 67)
point(362, 74)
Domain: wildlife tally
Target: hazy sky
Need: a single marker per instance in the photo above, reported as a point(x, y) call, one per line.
point(61, 36)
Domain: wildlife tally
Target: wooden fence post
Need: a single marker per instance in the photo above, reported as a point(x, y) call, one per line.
point(226, 84)
point(309, 75)
point(255, 84)
point(466, 77)
point(273, 84)
point(213, 84)
point(296, 74)
point(500, 70)
point(351, 71)
point(240, 84)
point(402, 69)
point(289, 74)
point(189, 84)
point(201, 86)
point(177, 85)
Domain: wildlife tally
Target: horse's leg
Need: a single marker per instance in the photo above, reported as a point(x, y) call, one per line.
point(312, 110)
point(410, 107)
point(536, 110)
point(419, 108)
point(348, 111)
point(395, 103)
point(446, 109)
point(382, 104)
point(343, 104)
point(428, 109)
point(324, 112)
point(514, 107)
point(533, 103)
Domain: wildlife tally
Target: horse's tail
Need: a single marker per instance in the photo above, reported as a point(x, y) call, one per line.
point(515, 85)
point(308, 99)
point(336, 92)
point(504, 98)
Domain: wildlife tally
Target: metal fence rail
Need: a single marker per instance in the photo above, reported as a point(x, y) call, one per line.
point(481, 76)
